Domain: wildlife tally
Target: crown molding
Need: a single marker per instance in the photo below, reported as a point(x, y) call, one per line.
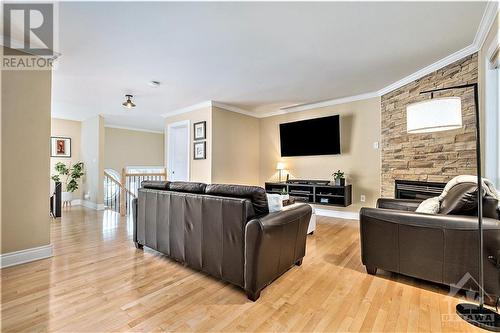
point(187, 109)
point(16, 44)
point(484, 27)
point(234, 109)
point(207, 104)
point(317, 105)
point(133, 129)
point(487, 20)
point(466, 51)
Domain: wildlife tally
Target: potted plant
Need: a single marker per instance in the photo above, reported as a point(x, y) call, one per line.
point(339, 178)
point(71, 176)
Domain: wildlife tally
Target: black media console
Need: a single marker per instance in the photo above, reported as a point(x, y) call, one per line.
point(320, 192)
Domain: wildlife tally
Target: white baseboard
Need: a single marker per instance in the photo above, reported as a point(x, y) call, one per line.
point(338, 214)
point(24, 256)
point(76, 202)
point(92, 205)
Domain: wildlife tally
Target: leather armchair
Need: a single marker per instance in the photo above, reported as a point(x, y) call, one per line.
point(439, 248)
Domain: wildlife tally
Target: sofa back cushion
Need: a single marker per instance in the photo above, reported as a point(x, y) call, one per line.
point(155, 184)
point(187, 187)
point(461, 199)
point(257, 195)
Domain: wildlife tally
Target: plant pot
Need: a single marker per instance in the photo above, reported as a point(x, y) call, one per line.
point(67, 196)
point(340, 181)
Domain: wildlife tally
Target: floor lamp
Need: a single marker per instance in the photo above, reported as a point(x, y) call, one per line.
point(441, 114)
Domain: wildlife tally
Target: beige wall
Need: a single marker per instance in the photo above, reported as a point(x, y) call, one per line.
point(360, 128)
point(26, 103)
point(200, 170)
point(71, 129)
point(236, 157)
point(132, 148)
point(92, 154)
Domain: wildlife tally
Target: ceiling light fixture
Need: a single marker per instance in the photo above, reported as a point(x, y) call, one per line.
point(128, 103)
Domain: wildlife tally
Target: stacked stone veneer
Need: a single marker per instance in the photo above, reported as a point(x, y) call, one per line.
point(428, 157)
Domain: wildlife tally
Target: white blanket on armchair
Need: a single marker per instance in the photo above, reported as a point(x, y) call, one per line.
point(488, 187)
point(432, 205)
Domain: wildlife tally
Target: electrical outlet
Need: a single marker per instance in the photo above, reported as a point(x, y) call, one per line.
point(376, 145)
point(363, 198)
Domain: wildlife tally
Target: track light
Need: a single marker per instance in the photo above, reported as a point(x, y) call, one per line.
point(128, 103)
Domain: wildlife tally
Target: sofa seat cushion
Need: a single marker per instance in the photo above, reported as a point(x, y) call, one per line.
point(187, 187)
point(257, 195)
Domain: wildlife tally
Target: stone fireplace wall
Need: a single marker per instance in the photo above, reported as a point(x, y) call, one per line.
point(428, 157)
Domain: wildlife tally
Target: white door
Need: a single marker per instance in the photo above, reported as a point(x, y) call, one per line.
point(178, 151)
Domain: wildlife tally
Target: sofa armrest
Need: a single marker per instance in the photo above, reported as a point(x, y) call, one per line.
point(452, 222)
point(410, 205)
point(274, 243)
point(134, 219)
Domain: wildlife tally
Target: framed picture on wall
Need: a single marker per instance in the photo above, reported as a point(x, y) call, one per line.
point(200, 150)
point(199, 130)
point(60, 146)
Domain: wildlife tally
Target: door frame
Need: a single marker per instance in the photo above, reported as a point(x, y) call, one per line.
point(181, 123)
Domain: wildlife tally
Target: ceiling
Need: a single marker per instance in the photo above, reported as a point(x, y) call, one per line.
point(255, 56)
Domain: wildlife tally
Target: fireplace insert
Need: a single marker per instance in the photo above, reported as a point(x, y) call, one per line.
point(411, 189)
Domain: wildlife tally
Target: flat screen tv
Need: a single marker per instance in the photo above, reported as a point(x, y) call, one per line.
point(320, 136)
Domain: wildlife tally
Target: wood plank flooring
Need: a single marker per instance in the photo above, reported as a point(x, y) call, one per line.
point(98, 282)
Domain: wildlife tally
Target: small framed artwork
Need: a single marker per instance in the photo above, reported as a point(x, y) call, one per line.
point(60, 146)
point(199, 130)
point(200, 150)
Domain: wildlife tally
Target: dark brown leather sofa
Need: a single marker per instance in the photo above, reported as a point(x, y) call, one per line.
point(441, 248)
point(223, 230)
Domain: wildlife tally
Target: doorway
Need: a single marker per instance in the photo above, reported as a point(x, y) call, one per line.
point(178, 151)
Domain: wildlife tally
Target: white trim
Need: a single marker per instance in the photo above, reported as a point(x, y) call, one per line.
point(167, 147)
point(92, 205)
point(134, 129)
point(429, 69)
point(337, 214)
point(231, 108)
point(76, 202)
point(187, 109)
point(322, 104)
point(481, 33)
point(486, 22)
point(24, 256)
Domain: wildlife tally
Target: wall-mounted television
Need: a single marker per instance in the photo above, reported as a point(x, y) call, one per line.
point(319, 136)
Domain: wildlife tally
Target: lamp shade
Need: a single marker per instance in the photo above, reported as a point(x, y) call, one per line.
point(434, 115)
point(280, 166)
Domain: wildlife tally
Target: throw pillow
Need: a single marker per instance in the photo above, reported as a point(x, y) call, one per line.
point(429, 206)
point(274, 202)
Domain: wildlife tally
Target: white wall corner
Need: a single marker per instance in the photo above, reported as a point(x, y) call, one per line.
point(24, 256)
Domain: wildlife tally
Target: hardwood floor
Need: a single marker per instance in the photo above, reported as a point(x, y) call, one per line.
point(97, 281)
